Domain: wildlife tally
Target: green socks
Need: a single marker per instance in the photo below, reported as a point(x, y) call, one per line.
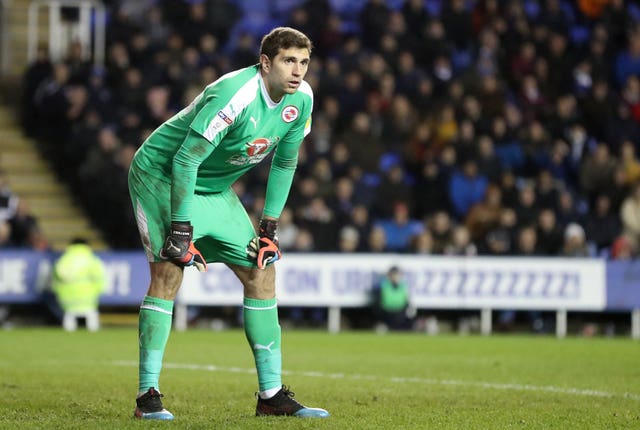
point(260, 325)
point(154, 326)
point(263, 333)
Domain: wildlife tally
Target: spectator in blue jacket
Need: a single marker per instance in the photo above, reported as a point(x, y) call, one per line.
point(466, 188)
point(628, 62)
point(400, 229)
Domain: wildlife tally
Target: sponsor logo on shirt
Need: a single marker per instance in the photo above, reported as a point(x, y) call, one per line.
point(257, 147)
point(289, 113)
point(254, 152)
point(224, 117)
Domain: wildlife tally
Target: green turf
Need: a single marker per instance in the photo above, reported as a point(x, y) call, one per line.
point(55, 380)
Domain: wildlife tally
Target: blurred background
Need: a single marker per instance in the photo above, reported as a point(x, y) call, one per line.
point(464, 129)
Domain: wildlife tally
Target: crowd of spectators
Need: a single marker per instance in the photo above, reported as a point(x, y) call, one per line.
point(440, 127)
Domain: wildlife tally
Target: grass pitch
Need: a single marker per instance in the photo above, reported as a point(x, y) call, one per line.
point(55, 380)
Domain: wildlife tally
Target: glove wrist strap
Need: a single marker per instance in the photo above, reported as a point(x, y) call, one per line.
point(268, 228)
point(182, 230)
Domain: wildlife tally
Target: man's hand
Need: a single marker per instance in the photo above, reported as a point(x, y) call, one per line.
point(264, 248)
point(179, 248)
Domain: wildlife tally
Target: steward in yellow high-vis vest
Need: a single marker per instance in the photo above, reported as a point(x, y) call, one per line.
point(78, 280)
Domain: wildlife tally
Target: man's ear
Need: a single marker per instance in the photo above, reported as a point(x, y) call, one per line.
point(265, 62)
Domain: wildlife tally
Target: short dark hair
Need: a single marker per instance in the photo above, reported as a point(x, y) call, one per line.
point(283, 38)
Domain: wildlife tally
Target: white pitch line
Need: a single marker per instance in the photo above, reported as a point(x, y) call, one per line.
point(401, 380)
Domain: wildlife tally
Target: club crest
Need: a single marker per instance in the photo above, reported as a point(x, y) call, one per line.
point(289, 113)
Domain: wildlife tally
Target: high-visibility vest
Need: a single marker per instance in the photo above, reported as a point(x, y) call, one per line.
point(393, 298)
point(78, 279)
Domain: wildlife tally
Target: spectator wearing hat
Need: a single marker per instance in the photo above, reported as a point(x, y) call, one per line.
point(348, 239)
point(575, 241)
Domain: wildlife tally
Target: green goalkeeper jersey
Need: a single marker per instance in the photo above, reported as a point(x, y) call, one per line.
point(227, 129)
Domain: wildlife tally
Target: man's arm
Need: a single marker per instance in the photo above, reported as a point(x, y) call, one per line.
point(265, 248)
point(280, 179)
point(178, 246)
point(191, 154)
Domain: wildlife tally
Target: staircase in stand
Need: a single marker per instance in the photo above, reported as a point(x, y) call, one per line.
point(31, 179)
point(30, 176)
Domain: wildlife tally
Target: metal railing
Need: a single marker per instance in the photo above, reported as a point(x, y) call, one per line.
point(89, 29)
point(5, 37)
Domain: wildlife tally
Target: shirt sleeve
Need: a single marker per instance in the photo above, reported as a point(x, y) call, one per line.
point(283, 167)
point(280, 179)
point(194, 150)
point(206, 131)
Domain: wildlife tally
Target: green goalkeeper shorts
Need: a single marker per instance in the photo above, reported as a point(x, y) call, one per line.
point(221, 226)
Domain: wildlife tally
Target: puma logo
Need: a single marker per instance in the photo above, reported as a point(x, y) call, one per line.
point(255, 123)
point(257, 346)
point(171, 245)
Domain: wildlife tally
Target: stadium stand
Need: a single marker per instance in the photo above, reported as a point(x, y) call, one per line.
point(46, 215)
point(540, 95)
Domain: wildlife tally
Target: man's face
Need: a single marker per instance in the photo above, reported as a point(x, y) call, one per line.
point(395, 277)
point(284, 73)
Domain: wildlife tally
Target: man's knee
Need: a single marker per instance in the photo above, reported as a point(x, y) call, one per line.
point(166, 278)
point(258, 284)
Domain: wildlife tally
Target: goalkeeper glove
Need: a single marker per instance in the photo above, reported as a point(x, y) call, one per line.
point(264, 248)
point(179, 248)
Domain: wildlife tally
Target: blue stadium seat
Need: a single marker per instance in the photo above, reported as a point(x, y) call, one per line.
point(461, 59)
point(579, 34)
point(388, 160)
point(371, 180)
point(395, 4)
point(283, 7)
point(349, 8)
point(604, 253)
point(255, 6)
point(350, 27)
point(567, 8)
point(254, 24)
point(531, 9)
point(634, 11)
point(434, 7)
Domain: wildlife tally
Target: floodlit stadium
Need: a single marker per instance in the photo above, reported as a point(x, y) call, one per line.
point(319, 214)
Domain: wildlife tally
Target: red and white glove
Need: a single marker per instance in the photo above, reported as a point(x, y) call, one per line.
point(179, 248)
point(264, 248)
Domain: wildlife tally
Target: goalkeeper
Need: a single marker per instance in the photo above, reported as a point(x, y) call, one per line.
point(188, 215)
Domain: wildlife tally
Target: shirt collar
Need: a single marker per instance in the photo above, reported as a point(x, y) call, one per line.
point(265, 93)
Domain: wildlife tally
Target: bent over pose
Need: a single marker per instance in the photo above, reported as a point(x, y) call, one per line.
point(187, 214)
